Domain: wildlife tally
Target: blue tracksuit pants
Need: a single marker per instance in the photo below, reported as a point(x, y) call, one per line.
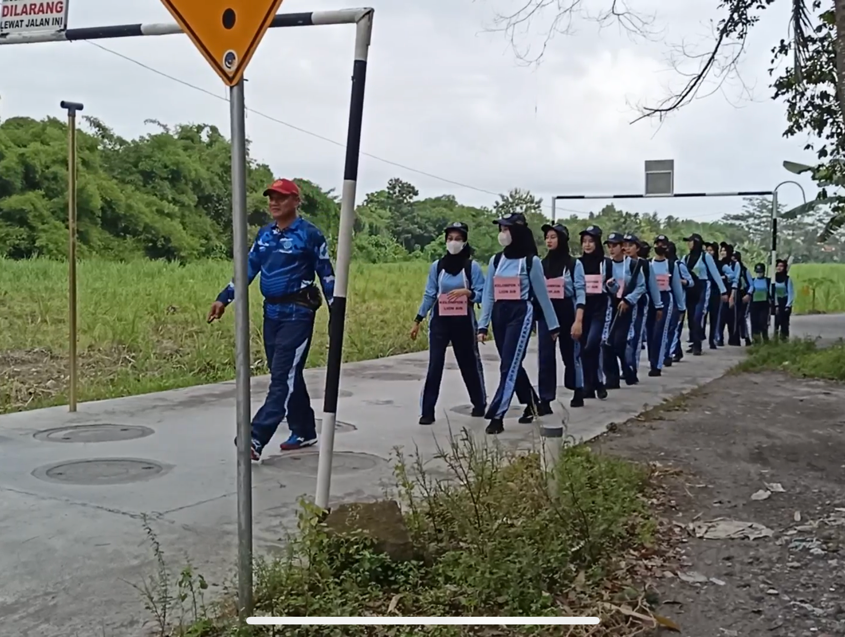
point(512, 325)
point(570, 351)
point(660, 333)
point(286, 344)
point(460, 332)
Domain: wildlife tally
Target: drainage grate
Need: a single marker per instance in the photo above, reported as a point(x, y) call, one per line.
point(391, 376)
point(94, 433)
point(339, 427)
point(101, 471)
point(345, 463)
point(515, 411)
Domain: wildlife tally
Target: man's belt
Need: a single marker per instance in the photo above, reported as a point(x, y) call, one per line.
point(309, 298)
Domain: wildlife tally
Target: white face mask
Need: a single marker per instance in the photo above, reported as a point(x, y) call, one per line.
point(505, 239)
point(454, 247)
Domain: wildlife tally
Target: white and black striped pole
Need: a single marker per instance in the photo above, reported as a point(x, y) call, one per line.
point(337, 310)
point(676, 195)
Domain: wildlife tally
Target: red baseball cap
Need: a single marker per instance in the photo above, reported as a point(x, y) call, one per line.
point(282, 187)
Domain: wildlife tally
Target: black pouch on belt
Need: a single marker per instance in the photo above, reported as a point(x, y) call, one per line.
point(308, 297)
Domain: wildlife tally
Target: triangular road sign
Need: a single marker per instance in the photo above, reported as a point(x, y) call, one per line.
point(227, 32)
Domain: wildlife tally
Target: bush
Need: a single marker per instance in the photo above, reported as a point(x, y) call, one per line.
point(493, 539)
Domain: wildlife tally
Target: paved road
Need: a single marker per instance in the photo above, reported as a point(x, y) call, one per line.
point(71, 536)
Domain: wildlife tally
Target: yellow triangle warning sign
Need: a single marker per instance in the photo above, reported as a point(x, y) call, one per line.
point(227, 32)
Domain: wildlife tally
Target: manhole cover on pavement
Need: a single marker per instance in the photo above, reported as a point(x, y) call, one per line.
point(515, 411)
point(94, 433)
point(339, 427)
point(392, 376)
point(319, 392)
point(345, 463)
point(101, 471)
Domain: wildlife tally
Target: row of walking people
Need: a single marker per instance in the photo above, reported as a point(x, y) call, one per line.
point(600, 311)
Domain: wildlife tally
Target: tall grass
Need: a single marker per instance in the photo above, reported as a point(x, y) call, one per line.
point(142, 325)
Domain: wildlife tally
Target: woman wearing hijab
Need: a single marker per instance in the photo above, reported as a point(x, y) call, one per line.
point(706, 275)
point(728, 312)
point(676, 322)
point(667, 280)
point(638, 251)
point(566, 285)
point(514, 282)
point(597, 311)
point(744, 282)
point(455, 283)
point(784, 296)
point(715, 303)
point(626, 284)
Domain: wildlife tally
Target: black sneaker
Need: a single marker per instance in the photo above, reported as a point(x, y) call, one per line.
point(527, 416)
point(632, 380)
point(713, 346)
point(696, 352)
point(613, 385)
point(427, 420)
point(668, 362)
point(601, 393)
point(654, 372)
point(589, 394)
point(678, 356)
point(544, 409)
point(478, 412)
point(495, 426)
point(255, 450)
point(577, 398)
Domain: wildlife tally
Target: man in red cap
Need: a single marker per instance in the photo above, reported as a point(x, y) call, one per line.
point(289, 253)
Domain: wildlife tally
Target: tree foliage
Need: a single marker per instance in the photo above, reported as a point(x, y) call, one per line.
point(166, 195)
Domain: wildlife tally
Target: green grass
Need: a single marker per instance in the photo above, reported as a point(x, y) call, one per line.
point(491, 539)
point(802, 358)
point(142, 324)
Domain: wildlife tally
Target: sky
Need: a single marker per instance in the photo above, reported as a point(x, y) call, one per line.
point(446, 95)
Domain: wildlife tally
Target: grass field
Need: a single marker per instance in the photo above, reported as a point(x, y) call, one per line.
point(142, 325)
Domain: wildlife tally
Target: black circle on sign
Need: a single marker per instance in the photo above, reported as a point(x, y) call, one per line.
point(229, 18)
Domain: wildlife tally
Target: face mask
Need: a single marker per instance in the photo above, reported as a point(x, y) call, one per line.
point(505, 239)
point(454, 247)
point(659, 250)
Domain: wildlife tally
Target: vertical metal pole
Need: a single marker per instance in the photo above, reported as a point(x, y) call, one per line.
point(363, 33)
point(240, 250)
point(774, 257)
point(73, 336)
point(554, 211)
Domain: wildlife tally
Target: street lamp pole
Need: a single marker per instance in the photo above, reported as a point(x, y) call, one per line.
point(774, 256)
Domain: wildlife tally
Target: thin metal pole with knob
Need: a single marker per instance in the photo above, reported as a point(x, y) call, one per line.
point(72, 109)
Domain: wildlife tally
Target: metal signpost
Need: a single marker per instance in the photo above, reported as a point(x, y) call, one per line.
point(227, 33)
point(72, 108)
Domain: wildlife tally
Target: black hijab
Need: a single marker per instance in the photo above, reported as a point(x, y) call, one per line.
point(695, 253)
point(455, 263)
point(559, 260)
point(780, 277)
point(592, 261)
point(522, 244)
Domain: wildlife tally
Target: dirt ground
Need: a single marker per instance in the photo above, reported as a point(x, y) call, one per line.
point(756, 448)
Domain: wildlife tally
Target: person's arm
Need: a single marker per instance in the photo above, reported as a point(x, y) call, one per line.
point(253, 268)
point(429, 295)
point(323, 266)
point(487, 300)
point(749, 280)
point(678, 288)
point(477, 283)
point(714, 272)
point(734, 275)
point(579, 282)
point(790, 293)
point(537, 281)
point(654, 291)
point(639, 289)
point(685, 274)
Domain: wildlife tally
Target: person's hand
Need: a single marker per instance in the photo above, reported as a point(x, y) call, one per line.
point(454, 295)
point(216, 311)
point(623, 306)
point(554, 335)
point(415, 330)
point(684, 282)
point(482, 337)
point(576, 330)
point(746, 298)
point(731, 301)
point(658, 315)
point(724, 298)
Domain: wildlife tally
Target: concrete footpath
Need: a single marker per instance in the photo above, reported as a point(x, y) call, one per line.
point(74, 487)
